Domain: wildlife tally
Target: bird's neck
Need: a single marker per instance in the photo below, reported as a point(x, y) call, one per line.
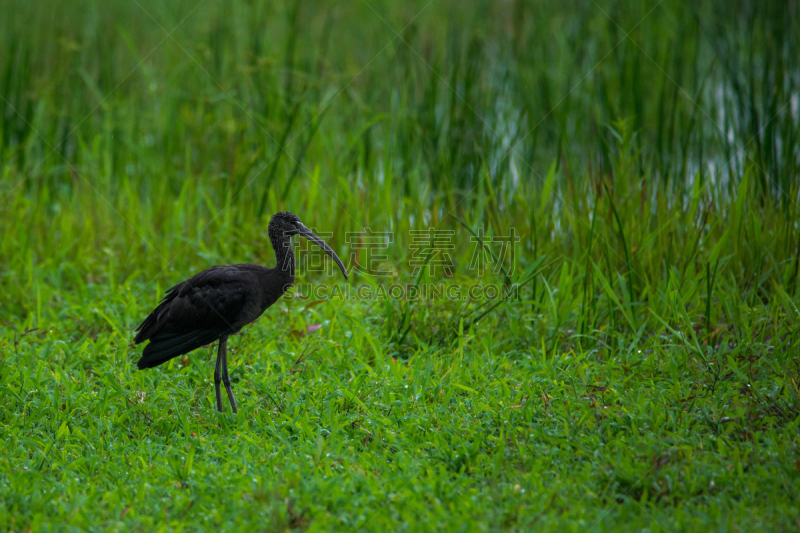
point(284, 256)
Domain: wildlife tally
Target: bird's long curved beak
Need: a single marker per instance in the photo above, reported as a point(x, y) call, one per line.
point(311, 236)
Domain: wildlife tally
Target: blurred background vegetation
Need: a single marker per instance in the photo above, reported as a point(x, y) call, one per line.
point(653, 140)
point(140, 138)
point(117, 116)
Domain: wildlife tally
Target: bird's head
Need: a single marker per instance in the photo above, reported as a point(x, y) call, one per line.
point(286, 224)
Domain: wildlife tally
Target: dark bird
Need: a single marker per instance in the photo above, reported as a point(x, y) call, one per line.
point(220, 301)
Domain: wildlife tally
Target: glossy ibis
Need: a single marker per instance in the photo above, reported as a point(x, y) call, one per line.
point(220, 301)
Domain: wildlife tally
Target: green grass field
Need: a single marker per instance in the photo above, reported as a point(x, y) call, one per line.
point(643, 373)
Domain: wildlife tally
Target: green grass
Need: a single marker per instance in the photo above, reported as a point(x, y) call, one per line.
point(646, 377)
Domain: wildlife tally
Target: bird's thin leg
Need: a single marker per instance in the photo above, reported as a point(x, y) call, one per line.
point(225, 379)
point(217, 379)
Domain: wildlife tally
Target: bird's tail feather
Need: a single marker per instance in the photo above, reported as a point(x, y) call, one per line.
point(162, 348)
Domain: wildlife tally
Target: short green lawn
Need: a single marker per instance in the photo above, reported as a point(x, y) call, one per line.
point(631, 362)
point(484, 431)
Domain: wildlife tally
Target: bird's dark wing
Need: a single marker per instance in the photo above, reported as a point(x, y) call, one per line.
point(163, 347)
point(196, 312)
